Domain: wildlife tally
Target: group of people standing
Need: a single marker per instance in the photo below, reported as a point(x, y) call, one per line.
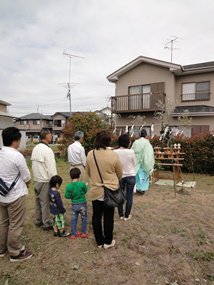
point(125, 166)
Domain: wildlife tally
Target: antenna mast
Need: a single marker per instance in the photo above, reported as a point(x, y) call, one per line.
point(170, 45)
point(69, 77)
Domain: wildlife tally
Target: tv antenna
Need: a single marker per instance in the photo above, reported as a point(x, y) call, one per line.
point(170, 45)
point(69, 76)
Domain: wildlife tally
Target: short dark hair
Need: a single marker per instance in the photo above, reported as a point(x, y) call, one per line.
point(9, 135)
point(102, 140)
point(143, 133)
point(123, 141)
point(75, 173)
point(56, 179)
point(43, 133)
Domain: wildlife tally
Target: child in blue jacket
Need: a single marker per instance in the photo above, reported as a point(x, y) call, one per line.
point(57, 209)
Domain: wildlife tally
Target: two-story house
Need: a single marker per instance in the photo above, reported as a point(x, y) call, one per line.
point(6, 120)
point(146, 86)
point(59, 122)
point(33, 123)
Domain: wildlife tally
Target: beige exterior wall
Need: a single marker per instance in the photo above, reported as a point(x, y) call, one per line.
point(147, 74)
point(6, 122)
point(194, 78)
point(3, 108)
point(31, 126)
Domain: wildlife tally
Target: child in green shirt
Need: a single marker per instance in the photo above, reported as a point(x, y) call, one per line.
point(76, 191)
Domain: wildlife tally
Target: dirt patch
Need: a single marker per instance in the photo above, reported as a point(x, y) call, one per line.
point(169, 240)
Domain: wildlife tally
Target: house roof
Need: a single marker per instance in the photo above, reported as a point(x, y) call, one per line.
point(197, 110)
point(65, 114)
point(4, 103)
point(35, 116)
point(113, 77)
point(199, 65)
point(103, 110)
point(174, 68)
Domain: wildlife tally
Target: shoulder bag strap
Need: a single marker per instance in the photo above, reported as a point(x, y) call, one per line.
point(14, 182)
point(97, 166)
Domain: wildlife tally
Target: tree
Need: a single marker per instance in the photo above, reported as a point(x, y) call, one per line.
point(89, 123)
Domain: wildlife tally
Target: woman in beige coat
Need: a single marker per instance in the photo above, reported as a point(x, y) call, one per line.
point(111, 172)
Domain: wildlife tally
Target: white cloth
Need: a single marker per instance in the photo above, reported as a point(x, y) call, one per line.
point(43, 163)
point(11, 163)
point(76, 154)
point(127, 158)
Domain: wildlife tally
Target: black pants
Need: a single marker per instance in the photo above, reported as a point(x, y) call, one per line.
point(103, 233)
point(127, 184)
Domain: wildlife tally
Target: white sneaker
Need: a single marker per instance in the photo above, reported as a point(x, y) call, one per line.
point(121, 218)
point(129, 217)
point(106, 246)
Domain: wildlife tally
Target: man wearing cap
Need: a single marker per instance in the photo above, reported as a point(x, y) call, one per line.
point(76, 154)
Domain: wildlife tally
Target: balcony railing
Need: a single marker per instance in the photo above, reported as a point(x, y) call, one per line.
point(202, 96)
point(137, 103)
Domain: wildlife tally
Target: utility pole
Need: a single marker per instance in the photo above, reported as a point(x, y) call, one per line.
point(170, 45)
point(69, 77)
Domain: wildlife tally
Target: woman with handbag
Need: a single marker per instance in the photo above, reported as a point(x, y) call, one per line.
point(103, 168)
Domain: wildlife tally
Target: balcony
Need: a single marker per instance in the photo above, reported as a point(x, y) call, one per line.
point(199, 96)
point(147, 102)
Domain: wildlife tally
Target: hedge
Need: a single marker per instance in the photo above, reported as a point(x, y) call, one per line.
point(199, 152)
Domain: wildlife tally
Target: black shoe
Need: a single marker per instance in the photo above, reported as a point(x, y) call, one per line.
point(23, 255)
point(38, 224)
point(47, 228)
point(140, 192)
point(64, 234)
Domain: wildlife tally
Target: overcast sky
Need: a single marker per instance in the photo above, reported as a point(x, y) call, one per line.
point(107, 33)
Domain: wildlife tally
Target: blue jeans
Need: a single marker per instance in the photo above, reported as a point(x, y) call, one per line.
point(127, 184)
point(76, 210)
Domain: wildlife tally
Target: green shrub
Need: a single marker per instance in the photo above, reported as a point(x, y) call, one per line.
point(199, 152)
point(87, 122)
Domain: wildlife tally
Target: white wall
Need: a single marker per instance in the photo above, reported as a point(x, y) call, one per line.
point(23, 140)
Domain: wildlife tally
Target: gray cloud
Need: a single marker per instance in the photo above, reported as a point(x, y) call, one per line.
point(108, 34)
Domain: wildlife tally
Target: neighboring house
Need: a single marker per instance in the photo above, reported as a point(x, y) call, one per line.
point(6, 120)
point(33, 123)
point(145, 85)
point(60, 120)
point(105, 114)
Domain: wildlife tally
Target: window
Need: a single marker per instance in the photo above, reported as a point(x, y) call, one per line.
point(196, 91)
point(196, 130)
point(140, 97)
point(57, 123)
point(36, 122)
point(49, 123)
point(23, 122)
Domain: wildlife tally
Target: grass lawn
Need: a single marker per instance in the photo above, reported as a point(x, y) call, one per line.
point(169, 240)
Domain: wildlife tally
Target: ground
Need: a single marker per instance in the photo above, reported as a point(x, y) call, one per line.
point(169, 240)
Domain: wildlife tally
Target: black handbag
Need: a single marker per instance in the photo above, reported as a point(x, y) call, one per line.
point(4, 189)
point(112, 198)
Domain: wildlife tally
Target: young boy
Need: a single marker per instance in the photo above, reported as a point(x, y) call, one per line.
point(76, 191)
point(56, 207)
